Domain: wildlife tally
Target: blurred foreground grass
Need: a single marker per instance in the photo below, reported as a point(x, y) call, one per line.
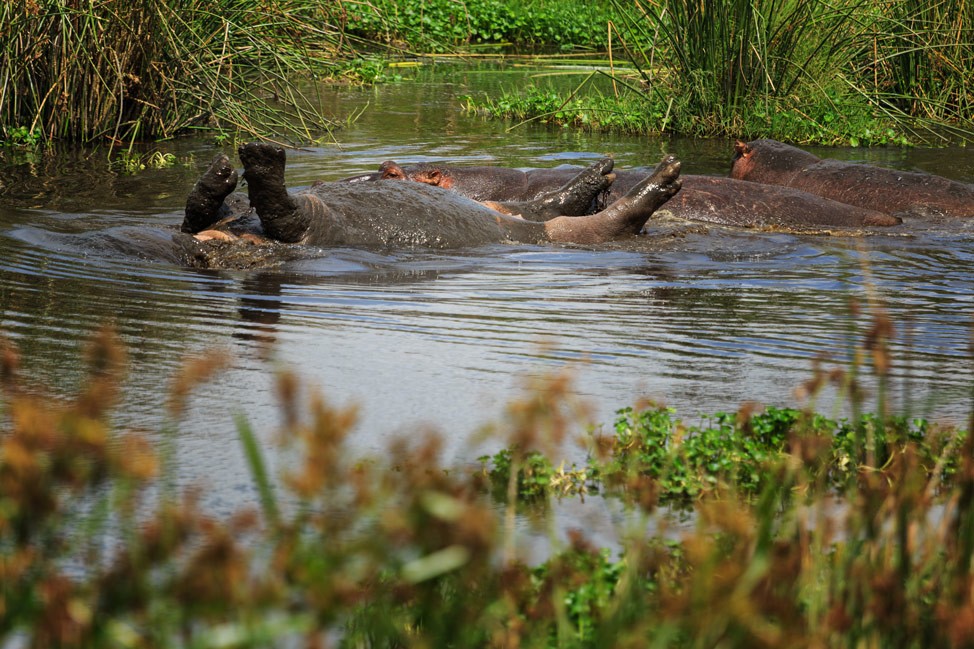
point(809, 532)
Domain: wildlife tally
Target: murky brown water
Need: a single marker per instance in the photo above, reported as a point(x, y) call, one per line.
point(701, 320)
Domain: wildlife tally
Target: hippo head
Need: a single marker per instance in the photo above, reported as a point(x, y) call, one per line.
point(424, 173)
point(768, 161)
point(388, 170)
point(740, 163)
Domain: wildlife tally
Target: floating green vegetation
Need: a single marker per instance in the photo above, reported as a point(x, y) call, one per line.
point(128, 161)
point(740, 453)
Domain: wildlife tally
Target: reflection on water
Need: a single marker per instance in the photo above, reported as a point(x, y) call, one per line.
point(703, 318)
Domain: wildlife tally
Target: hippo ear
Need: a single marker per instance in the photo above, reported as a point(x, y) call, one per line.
point(741, 150)
point(435, 177)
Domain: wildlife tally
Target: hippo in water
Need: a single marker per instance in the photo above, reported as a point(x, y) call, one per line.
point(411, 214)
point(722, 201)
point(887, 190)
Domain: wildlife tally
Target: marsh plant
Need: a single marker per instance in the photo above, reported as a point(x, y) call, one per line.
point(117, 71)
point(790, 547)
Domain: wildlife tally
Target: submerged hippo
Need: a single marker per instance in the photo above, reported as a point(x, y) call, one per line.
point(411, 214)
point(722, 201)
point(887, 190)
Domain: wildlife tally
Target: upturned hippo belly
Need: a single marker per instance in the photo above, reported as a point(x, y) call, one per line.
point(886, 190)
point(410, 216)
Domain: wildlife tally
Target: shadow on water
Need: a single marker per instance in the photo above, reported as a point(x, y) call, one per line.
point(703, 318)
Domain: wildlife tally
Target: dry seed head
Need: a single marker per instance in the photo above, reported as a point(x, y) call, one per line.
point(322, 444)
point(960, 622)
point(64, 619)
point(194, 371)
point(9, 364)
point(137, 458)
point(602, 446)
point(877, 337)
point(644, 491)
point(105, 354)
point(288, 388)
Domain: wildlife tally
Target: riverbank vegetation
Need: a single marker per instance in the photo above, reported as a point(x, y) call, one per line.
point(111, 73)
point(105, 72)
point(852, 72)
point(805, 531)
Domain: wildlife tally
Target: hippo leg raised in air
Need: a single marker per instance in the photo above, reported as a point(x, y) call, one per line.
point(571, 199)
point(205, 205)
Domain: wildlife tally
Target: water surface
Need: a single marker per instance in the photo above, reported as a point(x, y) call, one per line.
point(703, 319)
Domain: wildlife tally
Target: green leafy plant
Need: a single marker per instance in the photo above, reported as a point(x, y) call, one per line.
point(21, 136)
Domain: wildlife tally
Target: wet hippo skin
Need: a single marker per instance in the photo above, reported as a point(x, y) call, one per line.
point(722, 201)
point(887, 190)
point(410, 214)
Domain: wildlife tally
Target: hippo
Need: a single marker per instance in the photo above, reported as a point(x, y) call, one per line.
point(410, 214)
point(887, 190)
point(721, 201)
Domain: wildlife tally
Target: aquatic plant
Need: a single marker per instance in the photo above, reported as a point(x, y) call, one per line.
point(922, 58)
point(736, 452)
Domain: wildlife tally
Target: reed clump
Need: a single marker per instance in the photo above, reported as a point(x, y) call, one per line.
point(87, 70)
point(354, 553)
point(922, 58)
point(847, 72)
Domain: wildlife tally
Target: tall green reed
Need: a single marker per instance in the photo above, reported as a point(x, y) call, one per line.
point(726, 54)
point(87, 70)
point(922, 57)
point(901, 60)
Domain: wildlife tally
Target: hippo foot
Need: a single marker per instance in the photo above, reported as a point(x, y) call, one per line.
point(279, 213)
point(574, 198)
point(625, 216)
point(633, 210)
point(655, 190)
point(205, 205)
